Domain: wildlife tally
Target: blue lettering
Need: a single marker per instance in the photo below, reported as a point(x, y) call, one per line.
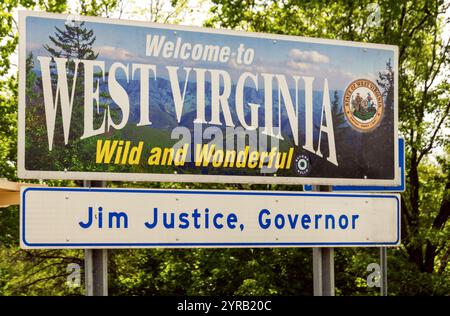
point(343, 221)
point(279, 221)
point(118, 217)
point(172, 220)
point(306, 220)
point(155, 219)
point(329, 218)
point(196, 216)
point(317, 217)
point(267, 222)
point(217, 225)
point(89, 221)
point(206, 218)
point(354, 218)
point(292, 221)
point(100, 217)
point(184, 221)
point(232, 220)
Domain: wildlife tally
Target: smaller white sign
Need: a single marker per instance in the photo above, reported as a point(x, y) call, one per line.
point(133, 218)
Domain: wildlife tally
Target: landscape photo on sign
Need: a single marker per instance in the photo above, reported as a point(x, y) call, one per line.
point(129, 100)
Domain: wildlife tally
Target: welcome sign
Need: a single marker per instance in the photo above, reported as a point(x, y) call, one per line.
point(105, 99)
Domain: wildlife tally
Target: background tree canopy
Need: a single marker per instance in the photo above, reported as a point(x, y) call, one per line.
point(419, 266)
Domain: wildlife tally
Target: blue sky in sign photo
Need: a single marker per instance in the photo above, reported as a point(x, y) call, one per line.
point(122, 43)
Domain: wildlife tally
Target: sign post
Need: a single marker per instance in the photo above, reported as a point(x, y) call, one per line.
point(96, 272)
point(96, 262)
point(323, 263)
point(323, 271)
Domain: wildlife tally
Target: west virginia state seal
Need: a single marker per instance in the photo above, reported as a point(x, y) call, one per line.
point(363, 105)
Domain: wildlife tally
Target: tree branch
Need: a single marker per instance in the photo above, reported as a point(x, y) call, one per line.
point(28, 276)
point(413, 30)
point(444, 57)
point(444, 261)
point(436, 131)
point(444, 210)
point(46, 278)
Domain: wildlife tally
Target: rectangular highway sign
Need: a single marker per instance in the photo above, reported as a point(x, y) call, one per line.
point(105, 99)
point(141, 218)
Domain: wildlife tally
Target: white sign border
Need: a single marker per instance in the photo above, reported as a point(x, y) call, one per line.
point(118, 176)
point(28, 245)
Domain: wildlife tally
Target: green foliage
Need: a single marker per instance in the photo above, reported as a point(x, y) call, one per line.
point(37, 272)
point(9, 225)
point(212, 272)
point(74, 42)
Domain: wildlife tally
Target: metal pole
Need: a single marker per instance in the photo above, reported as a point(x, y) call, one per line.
point(383, 268)
point(323, 264)
point(328, 271)
point(96, 262)
point(323, 271)
point(317, 271)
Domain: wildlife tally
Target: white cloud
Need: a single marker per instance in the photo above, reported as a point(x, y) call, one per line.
point(337, 78)
point(232, 63)
point(310, 56)
point(302, 66)
point(117, 54)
